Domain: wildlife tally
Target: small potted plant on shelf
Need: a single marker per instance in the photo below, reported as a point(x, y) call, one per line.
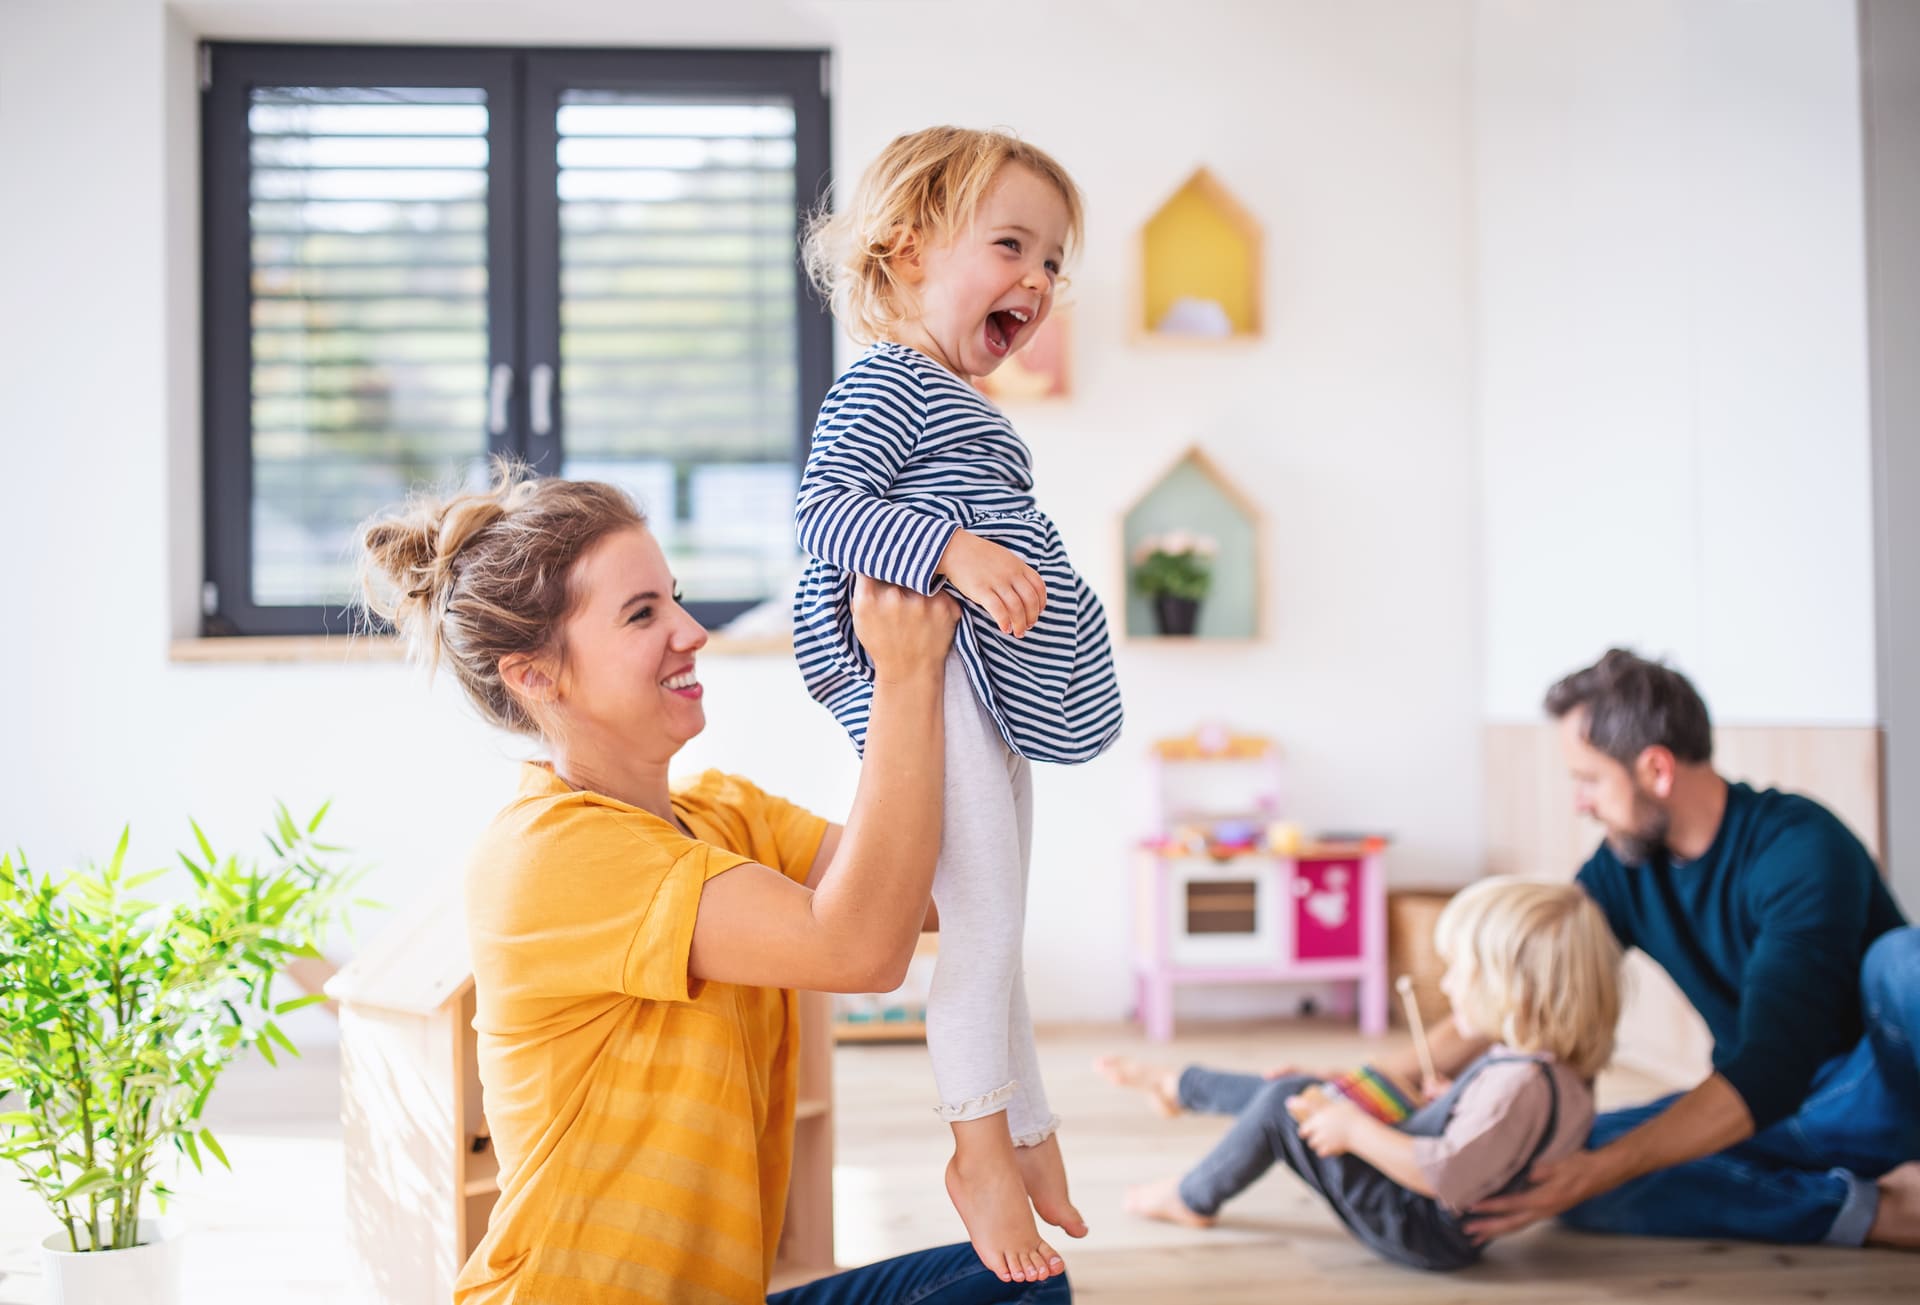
point(1175, 570)
point(117, 1015)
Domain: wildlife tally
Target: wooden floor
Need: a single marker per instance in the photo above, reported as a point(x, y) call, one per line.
point(274, 1229)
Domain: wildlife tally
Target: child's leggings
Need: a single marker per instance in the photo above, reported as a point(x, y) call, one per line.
point(979, 1034)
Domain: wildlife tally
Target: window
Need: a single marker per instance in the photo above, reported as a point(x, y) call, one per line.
point(587, 259)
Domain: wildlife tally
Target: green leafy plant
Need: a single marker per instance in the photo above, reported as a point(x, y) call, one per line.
point(117, 1014)
point(1177, 564)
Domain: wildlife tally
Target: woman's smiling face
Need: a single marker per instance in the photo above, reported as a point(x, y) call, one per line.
point(629, 669)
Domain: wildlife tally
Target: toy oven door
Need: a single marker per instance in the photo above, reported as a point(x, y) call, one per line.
point(1224, 912)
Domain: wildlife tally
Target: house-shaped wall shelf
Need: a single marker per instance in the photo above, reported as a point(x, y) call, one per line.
point(1200, 266)
point(421, 1174)
point(1196, 496)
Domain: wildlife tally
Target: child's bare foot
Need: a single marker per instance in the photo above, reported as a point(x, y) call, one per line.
point(1898, 1221)
point(1162, 1085)
point(983, 1181)
point(1045, 1175)
point(1162, 1201)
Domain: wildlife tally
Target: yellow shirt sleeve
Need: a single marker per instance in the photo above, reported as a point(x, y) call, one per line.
point(781, 834)
point(597, 906)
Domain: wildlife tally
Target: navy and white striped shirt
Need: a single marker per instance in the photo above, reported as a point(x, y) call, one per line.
point(904, 453)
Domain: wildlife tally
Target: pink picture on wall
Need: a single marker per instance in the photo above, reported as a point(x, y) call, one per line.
point(1040, 370)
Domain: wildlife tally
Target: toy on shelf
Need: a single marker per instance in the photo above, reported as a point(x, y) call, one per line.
point(1228, 891)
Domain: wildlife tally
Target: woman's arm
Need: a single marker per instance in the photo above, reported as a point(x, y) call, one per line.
point(854, 930)
point(823, 857)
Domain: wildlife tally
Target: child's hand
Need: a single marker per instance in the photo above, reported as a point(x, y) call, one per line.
point(1435, 1086)
point(996, 578)
point(1290, 1070)
point(1329, 1130)
point(1307, 1102)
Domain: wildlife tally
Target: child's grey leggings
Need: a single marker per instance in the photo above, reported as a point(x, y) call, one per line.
point(979, 1033)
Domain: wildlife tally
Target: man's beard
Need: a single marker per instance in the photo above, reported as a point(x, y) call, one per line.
point(1646, 837)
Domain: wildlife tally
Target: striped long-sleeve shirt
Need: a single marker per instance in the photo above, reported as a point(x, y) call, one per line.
point(905, 453)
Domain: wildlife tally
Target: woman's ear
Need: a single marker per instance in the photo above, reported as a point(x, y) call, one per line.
point(528, 678)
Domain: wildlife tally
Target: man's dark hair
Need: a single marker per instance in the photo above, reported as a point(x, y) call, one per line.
point(1634, 704)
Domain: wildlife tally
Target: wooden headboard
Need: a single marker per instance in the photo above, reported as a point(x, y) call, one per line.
point(1532, 831)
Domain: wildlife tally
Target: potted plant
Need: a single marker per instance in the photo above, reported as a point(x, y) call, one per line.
point(117, 1014)
point(1175, 570)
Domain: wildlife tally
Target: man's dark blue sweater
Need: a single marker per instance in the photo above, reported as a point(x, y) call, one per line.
point(1765, 934)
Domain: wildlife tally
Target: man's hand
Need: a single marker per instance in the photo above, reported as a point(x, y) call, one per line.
point(1329, 1130)
point(996, 578)
point(1557, 1187)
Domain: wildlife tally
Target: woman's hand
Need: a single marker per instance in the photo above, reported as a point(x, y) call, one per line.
point(996, 578)
point(1329, 1130)
point(903, 632)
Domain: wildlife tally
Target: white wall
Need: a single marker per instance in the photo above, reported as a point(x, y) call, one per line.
point(1672, 350)
point(1891, 48)
point(1343, 126)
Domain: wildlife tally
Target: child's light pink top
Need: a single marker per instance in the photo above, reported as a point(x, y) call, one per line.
point(1496, 1125)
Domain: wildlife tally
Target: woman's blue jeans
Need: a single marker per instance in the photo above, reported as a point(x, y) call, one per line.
point(946, 1275)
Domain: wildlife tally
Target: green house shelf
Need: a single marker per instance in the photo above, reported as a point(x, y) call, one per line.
point(1194, 495)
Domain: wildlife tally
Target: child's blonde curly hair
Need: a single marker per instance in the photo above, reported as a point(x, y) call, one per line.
point(926, 184)
point(1542, 965)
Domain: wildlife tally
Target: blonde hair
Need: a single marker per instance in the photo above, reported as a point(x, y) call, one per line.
point(927, 184)
point(472, 578)
point(1543, 967)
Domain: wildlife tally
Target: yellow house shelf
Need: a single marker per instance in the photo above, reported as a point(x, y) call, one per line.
point(1200, 267)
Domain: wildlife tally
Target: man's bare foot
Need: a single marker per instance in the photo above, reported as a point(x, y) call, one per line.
point(1162, 1085)
point(983, 1181)
point(1898, 1221)
point(1045, 1175)
point(1162, 1201)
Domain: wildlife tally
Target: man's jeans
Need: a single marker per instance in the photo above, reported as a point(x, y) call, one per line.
point(947, 1275)
point(1808, 1178)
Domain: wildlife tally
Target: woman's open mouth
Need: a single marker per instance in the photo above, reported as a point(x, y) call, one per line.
point(686, 684)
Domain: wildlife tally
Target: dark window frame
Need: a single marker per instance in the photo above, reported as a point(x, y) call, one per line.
point(523, 287)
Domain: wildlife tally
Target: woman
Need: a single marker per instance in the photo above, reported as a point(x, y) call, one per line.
point(634, 947)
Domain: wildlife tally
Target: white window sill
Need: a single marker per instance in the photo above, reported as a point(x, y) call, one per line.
point(262, 649)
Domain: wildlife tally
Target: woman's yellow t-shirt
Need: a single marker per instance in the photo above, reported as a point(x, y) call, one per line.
point(644, 1121)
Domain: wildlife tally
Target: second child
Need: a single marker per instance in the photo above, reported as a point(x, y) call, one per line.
point(1533, 970)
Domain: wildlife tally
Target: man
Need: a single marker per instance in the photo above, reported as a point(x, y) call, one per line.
point(1774, 921)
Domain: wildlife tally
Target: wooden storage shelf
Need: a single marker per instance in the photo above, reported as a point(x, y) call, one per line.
point(879, 1030)
point(418, 1195)
point(1200, 267)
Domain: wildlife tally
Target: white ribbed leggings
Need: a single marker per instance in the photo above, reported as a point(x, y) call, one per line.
point(979, 1032)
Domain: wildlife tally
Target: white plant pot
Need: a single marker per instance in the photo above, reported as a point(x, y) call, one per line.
point(147, 1274)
